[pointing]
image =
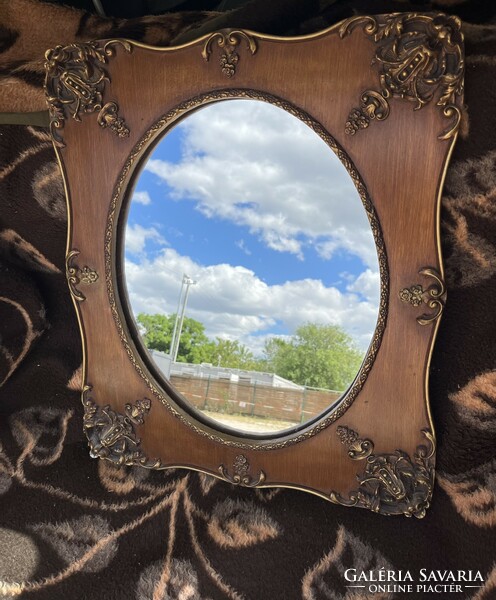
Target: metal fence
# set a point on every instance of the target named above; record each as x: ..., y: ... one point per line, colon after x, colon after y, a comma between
x: 244, y: 398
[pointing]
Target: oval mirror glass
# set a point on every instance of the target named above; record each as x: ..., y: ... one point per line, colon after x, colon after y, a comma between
x: 251, y: 268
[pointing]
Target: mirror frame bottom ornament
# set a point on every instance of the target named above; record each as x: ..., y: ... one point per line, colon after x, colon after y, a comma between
x: 377, y: 449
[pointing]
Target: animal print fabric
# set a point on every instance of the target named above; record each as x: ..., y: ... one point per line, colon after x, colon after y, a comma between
x: 76, y: 528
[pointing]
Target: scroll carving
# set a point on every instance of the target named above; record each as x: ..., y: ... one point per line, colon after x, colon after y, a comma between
x: 433, y: 296
x: 75, y: 276
x: 74, y: 84
x: 109, y: 117
x: 229, y: 41
x: 112, y: 435
x: 241, y: 473
x: 372, y: 106
x: 390, y: 484
x: 420, y: 58
x: 137, y: 411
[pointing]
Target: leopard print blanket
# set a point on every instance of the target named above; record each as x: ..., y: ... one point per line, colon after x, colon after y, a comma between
x: 72, y: 527
x: 23, y: 46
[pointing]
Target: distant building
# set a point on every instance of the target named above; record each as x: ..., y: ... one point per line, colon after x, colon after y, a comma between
x: 163, y: 362
x: 208, y: 371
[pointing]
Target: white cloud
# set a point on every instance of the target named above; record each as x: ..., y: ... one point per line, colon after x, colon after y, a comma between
x: 232, y: 302
x: 142, y: 198
x: 267, y: 171
x: 137, y: 237
x: 368, y: 285
x: 241, y: 244
x: 257, y: 166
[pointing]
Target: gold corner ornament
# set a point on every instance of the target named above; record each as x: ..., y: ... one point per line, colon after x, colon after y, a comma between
x: 418, y: 55
x: 112, y: 436
x: 229, y: 40
x: 75, y: 275
x: 241, y: 473
x: 433, y: 296
x: 391, y: 483
x: 75, y: 80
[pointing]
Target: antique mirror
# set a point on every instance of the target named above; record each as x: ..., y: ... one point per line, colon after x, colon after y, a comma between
x: 253, y: 250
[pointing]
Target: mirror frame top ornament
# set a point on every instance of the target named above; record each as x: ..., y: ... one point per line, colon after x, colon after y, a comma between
x: 385, y: 93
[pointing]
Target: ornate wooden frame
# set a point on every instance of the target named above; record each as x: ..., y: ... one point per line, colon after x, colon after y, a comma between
x: 110, y: 101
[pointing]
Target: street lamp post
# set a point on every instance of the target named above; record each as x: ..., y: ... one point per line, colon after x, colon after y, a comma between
x: 181, y: 309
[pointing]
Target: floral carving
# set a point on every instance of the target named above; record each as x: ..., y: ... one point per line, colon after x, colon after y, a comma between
x: 390, y: 484
x: 109, y: 117
x: 241, y: 473
x: 412, y: 295
x: 87, y: 275
x: 357, y: 448
x: 137, y: 411
x: 75, y: 276
x: 419, y: 58
x: 74, y: 84
x: 433, y: 296
x: 112, y: 435
x: 229, y: 41
x: 372, y: 106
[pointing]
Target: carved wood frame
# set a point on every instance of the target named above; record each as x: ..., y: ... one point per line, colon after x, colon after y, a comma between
x: 110, y: 101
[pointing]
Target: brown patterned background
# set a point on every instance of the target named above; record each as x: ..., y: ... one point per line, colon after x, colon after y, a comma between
x: 75, y: 528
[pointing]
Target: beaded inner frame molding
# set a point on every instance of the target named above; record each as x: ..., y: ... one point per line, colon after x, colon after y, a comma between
x: 385, y: 93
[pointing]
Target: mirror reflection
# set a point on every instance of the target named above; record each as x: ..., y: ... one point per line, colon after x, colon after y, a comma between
x: 251, y: 267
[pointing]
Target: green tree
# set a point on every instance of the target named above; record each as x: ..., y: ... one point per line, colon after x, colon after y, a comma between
x: 232, y: 354
x: 322, y: 356
x: 194, y: 345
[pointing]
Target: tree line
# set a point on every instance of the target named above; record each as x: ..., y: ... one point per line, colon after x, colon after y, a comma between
x: 316, y: 355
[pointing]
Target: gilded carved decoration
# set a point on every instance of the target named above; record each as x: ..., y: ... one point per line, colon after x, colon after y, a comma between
x: 241, y: 473
x: 75, y: 82
x: 76, y: 275
x: 433, y: 296
x: 109, y: 117
x: 229, y: 41
x: 391, y: 483
x: 419, y: 57
x: 137, y: 411
x: 112, y: 435
x: 372, y: 106
x: 414, y: 295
